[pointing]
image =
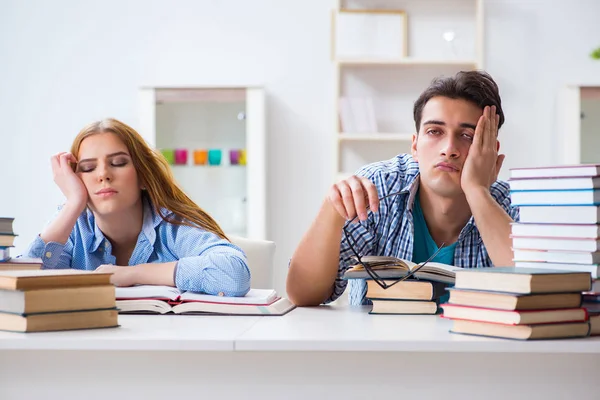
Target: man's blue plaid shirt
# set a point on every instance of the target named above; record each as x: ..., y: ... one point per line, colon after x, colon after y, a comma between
x: 390, y: 231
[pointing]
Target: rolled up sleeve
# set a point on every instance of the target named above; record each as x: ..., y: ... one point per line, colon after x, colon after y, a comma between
x: 209, y: 264
x: 54, y: 255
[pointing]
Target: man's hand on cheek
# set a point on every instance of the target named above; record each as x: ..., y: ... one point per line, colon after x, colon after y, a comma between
x: 483, y: 162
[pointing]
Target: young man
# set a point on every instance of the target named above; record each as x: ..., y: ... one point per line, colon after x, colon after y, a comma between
x: 448, y: 194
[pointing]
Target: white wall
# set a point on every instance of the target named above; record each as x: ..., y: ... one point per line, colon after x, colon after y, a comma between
x: 65, y: 63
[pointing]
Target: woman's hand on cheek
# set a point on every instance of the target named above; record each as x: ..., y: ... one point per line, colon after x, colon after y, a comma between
x: 69, y: 183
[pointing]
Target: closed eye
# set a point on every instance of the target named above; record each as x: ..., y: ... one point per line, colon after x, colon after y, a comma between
x: 468, y: 136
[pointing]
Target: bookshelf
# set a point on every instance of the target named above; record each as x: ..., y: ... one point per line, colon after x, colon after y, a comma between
x: 578, y: 121
x: 216, y: 141
x: 404, y: 45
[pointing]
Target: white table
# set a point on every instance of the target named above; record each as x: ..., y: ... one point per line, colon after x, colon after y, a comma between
x: 323, y: 352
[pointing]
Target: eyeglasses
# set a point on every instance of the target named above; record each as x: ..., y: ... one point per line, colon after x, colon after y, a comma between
x: 367, y: 265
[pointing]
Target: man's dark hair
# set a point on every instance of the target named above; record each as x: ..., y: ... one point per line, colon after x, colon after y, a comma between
x: 478, y: 87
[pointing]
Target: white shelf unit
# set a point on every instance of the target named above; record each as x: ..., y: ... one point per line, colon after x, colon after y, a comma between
x: 393, y: 82
x: 578, y: 121
x: 218, y: 118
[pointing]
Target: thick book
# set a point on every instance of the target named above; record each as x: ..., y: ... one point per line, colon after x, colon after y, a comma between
x: 559, y: 214
x: 60, y: 321
x: 512, y: 301
x: 57, y: 299
x: 406, y: 290
x: 581, y: 197
x: 593, y: 269
x: 165, y: 299
x: 7, y: 240
x: 6, y: 226
x: 589, y: 231
x: 560, y: 244
x: 555, y: 183
x: 515, y: 317
x: 51, y: 278
x: 21, y: 263
x: 557, y: 256
x: 395, y: 307
x: 558, y: 171
x: 393, y: 268
x: 523, y: 280
x: 521, y: 332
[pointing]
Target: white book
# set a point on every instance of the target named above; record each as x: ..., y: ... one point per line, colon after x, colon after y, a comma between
x: 593, y: 269
x: 556, y: 230
x: 164, y: 299
x: 569, y: 257
x: 254, y: 296
x: 579, y: 170
x: 560, y: 214
x: 554, y: 197
x: 555, y: 183
x: 532, y: 243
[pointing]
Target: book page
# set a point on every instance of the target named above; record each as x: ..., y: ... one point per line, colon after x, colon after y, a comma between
x: 147, y: 292
x: 254, y: 296
x: 384, y: 262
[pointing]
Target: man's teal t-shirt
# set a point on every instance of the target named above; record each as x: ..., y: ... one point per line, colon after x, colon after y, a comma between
x: 424, y: 245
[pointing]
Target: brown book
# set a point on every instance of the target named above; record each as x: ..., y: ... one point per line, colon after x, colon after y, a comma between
x: 527, y: 317
x: 59, y: 321
x: 523, y: 332
x: 57, y: 299
x: 406, y: 290
x: 595, y: 325
x: 21, y: 263
x: 7, y: 240
x: 404, y: 307
x: 6, y: 226
x: 512, y: 301
x: 523, y: 280
x: 51, y: 278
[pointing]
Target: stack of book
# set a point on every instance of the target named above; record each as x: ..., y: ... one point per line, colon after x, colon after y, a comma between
x: 420, y: 295
x: 52, y: 300
x: 519, y: 303
x: 560, y: 215
x: 156, y: 299
x: 7, y: 238
x: 406, y: 297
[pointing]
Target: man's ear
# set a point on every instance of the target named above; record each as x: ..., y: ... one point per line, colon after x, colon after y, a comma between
x: 413, y: 146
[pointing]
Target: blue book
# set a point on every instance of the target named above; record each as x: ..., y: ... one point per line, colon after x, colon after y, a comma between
x: 578, y: 197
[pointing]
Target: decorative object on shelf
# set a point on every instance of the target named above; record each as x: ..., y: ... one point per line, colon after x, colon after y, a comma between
x: 200, y: 157
x: 370, y: 33
x: 234, y: 157
x: 242, y: 159
x: 169, y: 154
x: 449, y: 37
x: 595, y: 55
x: 214, y: 156
x: 181, y: 156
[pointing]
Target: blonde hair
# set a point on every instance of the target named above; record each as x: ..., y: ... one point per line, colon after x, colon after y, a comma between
x: 155, y: 175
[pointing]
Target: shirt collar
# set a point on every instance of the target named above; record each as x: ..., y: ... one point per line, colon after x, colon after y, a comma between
x: 151, y: 219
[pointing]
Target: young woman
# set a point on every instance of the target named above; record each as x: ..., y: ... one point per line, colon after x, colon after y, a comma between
x: 125, y: 214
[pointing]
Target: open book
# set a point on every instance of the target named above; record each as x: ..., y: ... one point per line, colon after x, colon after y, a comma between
x: 392, y: 268
x: 166, y: 299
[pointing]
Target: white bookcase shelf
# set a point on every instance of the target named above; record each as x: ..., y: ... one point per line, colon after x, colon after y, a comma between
x: 405, y: 44
x: 403, y: 61
x: 222, y: 119
x: 376, y: 137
